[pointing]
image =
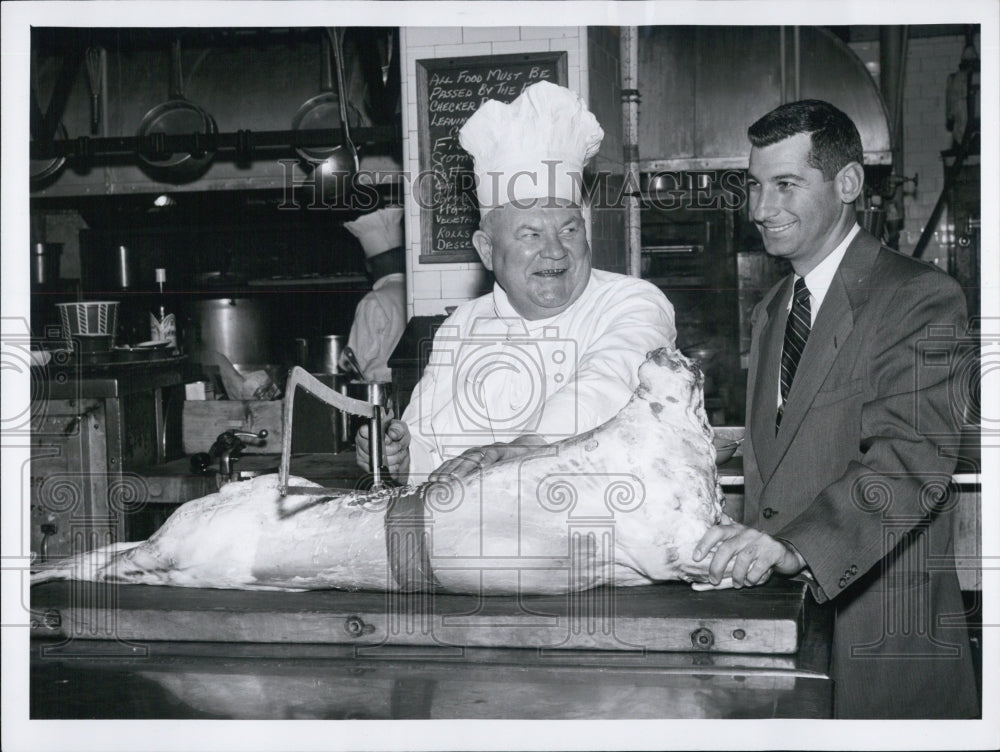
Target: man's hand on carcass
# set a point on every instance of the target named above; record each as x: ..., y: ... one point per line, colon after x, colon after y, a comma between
x: 396, y: 441
x: 473, y: 460
x: 753, y: 555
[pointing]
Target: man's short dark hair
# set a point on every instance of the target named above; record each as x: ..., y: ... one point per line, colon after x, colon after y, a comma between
x: 835, y: 139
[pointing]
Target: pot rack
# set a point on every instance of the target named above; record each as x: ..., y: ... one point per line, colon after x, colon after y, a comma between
x: 244, y: 143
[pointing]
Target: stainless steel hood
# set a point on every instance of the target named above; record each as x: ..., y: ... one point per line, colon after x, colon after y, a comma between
x: 701, y: 86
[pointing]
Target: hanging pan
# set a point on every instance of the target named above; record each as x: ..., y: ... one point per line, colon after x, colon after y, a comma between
x: 43, y: 171
x: 177, y: 117
x: 336, y: 164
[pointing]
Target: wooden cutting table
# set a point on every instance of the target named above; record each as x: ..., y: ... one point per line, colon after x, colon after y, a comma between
x: 661, y: 651
x: 151, y: 652
x: 668, y: 617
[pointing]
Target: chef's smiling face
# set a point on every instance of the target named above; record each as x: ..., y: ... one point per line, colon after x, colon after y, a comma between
x: 802, y: 215
x: 539, y: 255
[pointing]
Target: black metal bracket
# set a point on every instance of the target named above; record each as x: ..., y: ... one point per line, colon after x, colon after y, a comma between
x: 242, y: 142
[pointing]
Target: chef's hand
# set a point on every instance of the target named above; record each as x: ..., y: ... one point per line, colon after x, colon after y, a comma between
x: 396, y: 441
x: 754, y: 555
x: 473, y: 460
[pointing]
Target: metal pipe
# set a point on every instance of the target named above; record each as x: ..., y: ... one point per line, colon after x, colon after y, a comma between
x: 892, y: 69
x: 86, y: 148
x: 798, y: 63
x: 629, y: 67
x: 781, y: 55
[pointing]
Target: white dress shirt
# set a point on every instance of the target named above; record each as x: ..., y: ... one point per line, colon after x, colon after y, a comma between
x: 818, y: 281
x: 493, y: 375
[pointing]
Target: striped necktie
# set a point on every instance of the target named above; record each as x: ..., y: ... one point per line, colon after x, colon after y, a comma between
x: 796, y: 334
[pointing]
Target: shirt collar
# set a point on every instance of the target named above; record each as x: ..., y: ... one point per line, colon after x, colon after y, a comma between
x: 819, y: 279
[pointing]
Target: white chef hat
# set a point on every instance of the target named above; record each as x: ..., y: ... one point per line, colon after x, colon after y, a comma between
x: 533, y: 148
x: 380, y: 231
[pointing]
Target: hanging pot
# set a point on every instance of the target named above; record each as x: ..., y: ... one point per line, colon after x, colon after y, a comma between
x: 42, y: 170
x: 177, y: 117
x: 336, y: 164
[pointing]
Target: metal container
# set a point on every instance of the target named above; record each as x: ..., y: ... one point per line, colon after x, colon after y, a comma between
x: 236, y: 327
x: 45, y: 264
x: 123, y: 268
x: 329, y: 348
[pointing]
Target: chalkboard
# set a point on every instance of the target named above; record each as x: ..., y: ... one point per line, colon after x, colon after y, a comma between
x: 449, y: 91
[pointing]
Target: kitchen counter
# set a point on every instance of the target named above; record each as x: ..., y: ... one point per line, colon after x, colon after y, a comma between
x: 69, y: 379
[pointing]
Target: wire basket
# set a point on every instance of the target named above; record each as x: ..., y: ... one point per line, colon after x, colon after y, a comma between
x: 88, y: 319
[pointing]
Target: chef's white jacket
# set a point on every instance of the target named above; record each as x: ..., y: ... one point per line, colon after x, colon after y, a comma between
x: 379, y: 320
x: 493, y: 375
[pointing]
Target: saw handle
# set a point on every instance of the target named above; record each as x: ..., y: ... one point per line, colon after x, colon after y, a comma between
x: 376, y: 444
x: 381, y: 478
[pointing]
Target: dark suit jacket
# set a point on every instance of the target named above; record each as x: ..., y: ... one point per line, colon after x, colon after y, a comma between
x: 855, y: 480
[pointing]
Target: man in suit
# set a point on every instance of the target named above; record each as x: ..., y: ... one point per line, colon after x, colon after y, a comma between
x: 845, y: 416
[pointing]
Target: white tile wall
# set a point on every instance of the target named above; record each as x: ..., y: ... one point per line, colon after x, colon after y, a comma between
x: 551, y: 32
x: 426, y: 285
x: 471, y: 34
x: 457, y: 50
x: 572, y: 48
x: 512, y: 48
x: 430, y: 35
x: 464, y: 283
x: 435, y: 307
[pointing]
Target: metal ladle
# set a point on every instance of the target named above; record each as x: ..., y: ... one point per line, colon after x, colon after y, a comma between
x: 343, y: 163
x: 333, y: 166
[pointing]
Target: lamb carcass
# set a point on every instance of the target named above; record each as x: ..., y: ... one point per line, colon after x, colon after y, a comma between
x: 623, y: 504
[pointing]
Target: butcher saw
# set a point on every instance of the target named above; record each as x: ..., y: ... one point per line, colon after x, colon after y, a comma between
x: 299, y: 378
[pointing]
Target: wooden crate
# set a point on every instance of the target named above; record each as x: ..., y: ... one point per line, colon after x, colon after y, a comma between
x: 203, y: 421
x: 313, y: 429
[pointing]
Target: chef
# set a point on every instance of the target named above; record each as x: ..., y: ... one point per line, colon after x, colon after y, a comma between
x: 380, y: 316
x: 554, y: 349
